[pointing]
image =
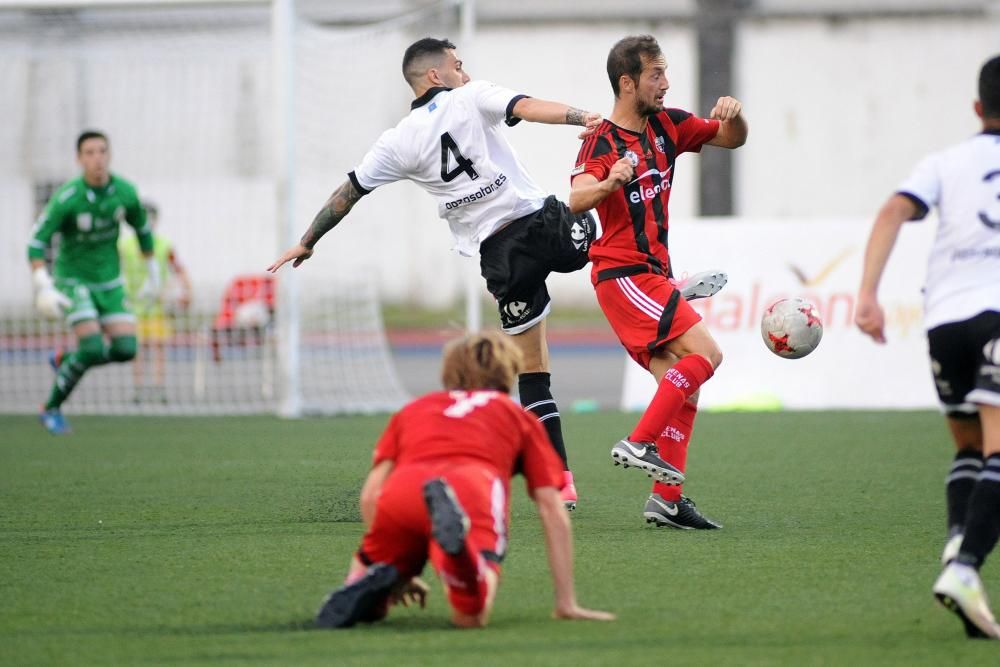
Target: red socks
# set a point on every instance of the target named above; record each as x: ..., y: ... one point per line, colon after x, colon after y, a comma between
x: 464, y: 577
x: 677, y: 385
x: 673, y: 448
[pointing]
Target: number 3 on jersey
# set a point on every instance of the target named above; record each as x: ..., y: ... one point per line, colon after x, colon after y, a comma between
x: 463, y: 164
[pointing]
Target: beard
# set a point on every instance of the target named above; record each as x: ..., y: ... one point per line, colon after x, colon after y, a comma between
x: 648, y: 108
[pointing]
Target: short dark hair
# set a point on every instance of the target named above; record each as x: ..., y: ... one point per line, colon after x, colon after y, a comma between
x: 626, y: 58
x: 89, y: 134
x: 428, y: 46
x: 151, y: 208
x: 989, y: 87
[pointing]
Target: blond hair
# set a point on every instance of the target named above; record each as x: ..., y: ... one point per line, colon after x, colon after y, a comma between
x: 484, y: 360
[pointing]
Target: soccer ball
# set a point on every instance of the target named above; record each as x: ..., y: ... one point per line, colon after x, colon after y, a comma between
x: 791, y: 328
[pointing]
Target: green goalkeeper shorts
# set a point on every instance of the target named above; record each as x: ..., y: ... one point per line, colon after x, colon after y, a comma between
x: 106, y: 302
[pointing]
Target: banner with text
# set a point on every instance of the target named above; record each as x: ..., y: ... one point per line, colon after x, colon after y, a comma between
x: 819, y: 261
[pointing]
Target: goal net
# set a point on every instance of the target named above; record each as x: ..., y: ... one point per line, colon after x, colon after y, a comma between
x: 190, y: 98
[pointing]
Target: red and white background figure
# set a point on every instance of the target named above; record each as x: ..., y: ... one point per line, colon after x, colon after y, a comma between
x: 819, y: 261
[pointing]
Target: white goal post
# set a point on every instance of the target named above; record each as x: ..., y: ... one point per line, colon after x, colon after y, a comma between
x: 234, y: 118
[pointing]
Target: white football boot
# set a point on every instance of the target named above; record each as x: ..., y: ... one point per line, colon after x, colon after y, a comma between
x: 960, y: 590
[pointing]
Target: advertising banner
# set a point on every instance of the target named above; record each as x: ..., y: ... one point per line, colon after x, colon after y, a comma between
x: 819, y: 261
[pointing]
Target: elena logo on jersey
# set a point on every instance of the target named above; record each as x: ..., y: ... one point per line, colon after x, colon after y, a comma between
x: 479, y: 194
x: 642, y: 193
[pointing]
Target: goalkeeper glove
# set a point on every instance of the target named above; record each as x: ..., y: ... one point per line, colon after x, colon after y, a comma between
x: 49, y: 301
x: 150, y: 290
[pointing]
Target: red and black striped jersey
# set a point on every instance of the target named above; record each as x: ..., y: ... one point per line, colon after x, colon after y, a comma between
x: 634, y: 218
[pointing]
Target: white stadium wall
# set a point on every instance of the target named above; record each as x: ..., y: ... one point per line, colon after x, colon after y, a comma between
x: 838, y: 115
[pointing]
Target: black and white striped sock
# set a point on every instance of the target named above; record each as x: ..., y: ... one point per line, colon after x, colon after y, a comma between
x: 536, y: 397
x: 961, y: 480
x: 982, y: 524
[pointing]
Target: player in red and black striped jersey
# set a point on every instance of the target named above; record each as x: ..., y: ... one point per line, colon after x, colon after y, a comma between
x: 625, y: 171
x: 635, y: 241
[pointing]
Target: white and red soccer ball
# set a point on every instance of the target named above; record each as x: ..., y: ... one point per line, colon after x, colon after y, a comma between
x: 791, y: 328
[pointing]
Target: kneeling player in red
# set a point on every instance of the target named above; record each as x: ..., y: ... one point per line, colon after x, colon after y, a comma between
x: 439, y: 489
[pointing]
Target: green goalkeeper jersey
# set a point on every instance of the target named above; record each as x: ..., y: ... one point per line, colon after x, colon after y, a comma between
x: 88, y: 219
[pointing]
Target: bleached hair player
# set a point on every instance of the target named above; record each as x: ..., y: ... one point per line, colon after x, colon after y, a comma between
x: 439, y: 491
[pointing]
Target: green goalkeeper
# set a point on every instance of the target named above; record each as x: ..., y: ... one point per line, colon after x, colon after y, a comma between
x: 88, y: 290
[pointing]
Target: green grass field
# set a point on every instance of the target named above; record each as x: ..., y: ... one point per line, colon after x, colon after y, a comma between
x: 212, y: 541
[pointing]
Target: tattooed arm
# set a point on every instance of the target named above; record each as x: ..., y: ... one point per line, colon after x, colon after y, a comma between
x: 334, y: 210
x: 542, y: 111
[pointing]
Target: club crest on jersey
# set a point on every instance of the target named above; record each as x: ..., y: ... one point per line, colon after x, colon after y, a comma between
x: 659, y: 143
x: 632, y: 158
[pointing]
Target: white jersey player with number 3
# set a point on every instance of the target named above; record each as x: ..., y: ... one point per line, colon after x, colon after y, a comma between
x: 452, y: 145
x: 962, y: 318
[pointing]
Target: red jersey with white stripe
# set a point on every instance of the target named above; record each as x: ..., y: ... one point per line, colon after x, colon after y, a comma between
x: 460, y: 427
x: 634, y: 218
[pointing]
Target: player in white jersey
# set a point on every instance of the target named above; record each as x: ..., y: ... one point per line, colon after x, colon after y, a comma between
x: 962, y: 318
x: 451, y: 145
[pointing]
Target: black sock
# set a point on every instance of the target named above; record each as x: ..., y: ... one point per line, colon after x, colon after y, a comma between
x: 961, y: 480
x: 537, y: 397
x: 982, y: 525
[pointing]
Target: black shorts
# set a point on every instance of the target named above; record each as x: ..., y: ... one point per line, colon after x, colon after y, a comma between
x: 965, y: 360
x: 516, y: 260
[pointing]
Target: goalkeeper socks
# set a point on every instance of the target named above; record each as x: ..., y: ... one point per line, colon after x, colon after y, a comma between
x: 673, y: 447
x: 536, y: 397
x: 982, y: 524
x: 959, y: 484
x: 123, y: 348
x: 677, y: 385
x: 90, y: 352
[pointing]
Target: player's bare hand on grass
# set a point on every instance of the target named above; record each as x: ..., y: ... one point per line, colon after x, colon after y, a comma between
x: 870, y: 318
x: 726, y: 108
x: 415, y: 590
x: 591, y: 121
x: 578, y: 613
x: 298, y: 253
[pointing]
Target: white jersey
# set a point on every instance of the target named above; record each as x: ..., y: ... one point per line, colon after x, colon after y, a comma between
x: 963, y: 271
x: 451, y: 145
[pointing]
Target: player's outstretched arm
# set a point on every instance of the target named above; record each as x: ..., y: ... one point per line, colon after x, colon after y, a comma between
x: 556, y: 113
x: 559, y: 545
x: 733, y: 128
x: 334, y: 210
x: 868, y: 313
x: 587, y: 192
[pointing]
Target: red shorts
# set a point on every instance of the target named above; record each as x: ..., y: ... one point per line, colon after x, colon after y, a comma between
x: 401, y: 532
x: 645, y: 311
